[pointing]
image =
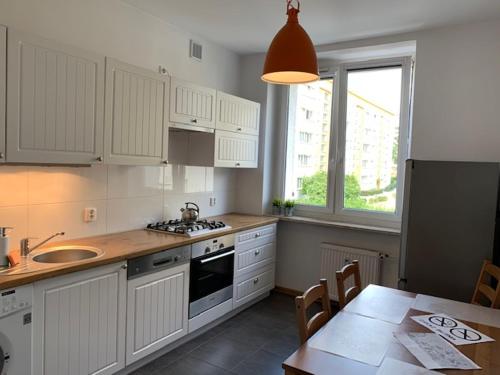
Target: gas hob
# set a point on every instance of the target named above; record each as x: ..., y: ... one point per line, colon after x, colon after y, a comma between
x: 181, y: 228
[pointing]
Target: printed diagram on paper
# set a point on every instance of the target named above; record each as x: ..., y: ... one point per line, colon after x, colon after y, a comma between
x: 434, y: 352
x: 451, y: 329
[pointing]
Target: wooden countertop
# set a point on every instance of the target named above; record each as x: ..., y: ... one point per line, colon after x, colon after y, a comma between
x: 131, y: 244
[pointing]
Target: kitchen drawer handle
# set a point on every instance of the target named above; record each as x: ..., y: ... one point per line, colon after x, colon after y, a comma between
x: 257, y: 252
x: 124, y: 267
x: 257, y: 235
x: 240, y: 129
x: 256, y: 280
x: 194, y: 121
x: 237, y: 164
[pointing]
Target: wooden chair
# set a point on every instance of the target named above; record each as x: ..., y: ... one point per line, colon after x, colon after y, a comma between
x: 302, y: 303
x: 484, y: 291
x: 351, y: 269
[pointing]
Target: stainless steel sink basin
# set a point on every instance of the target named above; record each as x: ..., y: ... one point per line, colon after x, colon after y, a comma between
x: 66, y: 254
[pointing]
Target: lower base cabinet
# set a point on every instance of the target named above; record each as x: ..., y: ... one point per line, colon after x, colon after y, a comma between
x: 157, y: 311
x: 253, y: 284
x: 79, y: 322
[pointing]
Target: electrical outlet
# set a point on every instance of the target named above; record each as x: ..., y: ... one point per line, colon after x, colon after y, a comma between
x: 90, y: 214
x: 212, y: 201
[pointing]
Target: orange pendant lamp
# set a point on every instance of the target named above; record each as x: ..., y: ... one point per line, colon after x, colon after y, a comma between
x: 291, y: 57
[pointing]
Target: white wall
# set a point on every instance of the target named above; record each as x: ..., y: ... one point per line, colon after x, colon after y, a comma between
x: 456, y: 99
x: 40, y: 200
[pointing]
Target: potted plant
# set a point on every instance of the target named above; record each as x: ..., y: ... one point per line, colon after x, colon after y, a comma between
x: 289, y: 206
x: 277, y: 206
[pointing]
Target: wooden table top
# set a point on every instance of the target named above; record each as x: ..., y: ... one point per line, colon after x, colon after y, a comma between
x: 308, y: 360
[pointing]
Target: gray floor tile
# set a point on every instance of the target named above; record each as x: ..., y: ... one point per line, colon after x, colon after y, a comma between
x: 260, y: 363
x: 191, y: 366
x: 224, y: 352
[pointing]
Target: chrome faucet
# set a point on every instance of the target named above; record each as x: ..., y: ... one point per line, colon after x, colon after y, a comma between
x: 25, y: 244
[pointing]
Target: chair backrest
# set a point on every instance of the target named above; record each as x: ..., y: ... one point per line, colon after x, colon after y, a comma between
x: 484, y: 291
x: 345, y: 296
x: 307, y: 328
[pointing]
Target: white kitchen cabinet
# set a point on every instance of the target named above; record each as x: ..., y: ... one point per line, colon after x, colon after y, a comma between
x: 237, y: 114
x: 79, y: 322
x: 3, y: 78
x: 251, y: 285
x: 234, y: 150
x: 136, y: 115
x: 55, y: 99
x: 191, y: 106
x: 157, y: 311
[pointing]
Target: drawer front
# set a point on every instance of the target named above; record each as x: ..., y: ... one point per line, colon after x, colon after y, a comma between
x: 255, y: 237
x: 251, y: 259
x: 251, y: 285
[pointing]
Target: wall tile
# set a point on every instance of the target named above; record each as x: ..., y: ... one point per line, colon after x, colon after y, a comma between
x: 66, y: 184
x: 16, y: 217
x: 133, y: 213
x: 140, y: 181
x: 46, y: 219
x: 13, y: 186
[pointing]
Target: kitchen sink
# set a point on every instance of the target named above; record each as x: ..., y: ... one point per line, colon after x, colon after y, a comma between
x: 66, y: 254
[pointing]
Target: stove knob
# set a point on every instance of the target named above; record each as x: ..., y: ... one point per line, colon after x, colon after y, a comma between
x: 176, y: 258
x: 207, y: 249
x: 221, y: 246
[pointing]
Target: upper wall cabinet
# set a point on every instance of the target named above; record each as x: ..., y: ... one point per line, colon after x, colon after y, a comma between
x: 191, y: 106
x: 3, y: 77
x: 136, y: 115
x: 55, y: 97
x: 233, y: 150
x: 237, y: 114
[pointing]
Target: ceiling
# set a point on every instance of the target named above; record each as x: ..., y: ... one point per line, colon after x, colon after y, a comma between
x: 248, y: 26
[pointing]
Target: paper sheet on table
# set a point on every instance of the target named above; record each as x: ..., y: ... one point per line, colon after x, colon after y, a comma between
x: 392, y: 366
x: 392, y: 308
x: 459, y: 310
x: 434, y: 352
x: 452, y: 329
x: 355, y: 337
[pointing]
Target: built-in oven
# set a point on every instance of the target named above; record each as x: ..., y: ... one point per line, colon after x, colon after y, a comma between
x: 211, y: 274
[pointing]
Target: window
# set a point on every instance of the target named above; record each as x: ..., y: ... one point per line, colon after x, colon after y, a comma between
x: 368, y: 134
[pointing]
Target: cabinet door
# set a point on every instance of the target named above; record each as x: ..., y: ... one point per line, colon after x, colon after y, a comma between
x: 237, y: 114
x: 251, y: 285
x: 136, y: 122
x: 55, y: 99
x: 3, y: 77
x: 157, y: 311
x: 79, y: 322
x: 191, y: 105
x: 235, y: 150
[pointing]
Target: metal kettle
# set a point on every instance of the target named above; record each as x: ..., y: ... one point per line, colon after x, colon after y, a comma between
x: 190, y: 214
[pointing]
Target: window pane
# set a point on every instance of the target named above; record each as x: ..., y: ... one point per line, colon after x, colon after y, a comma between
x: 308, y: 147
x: 372, y: 130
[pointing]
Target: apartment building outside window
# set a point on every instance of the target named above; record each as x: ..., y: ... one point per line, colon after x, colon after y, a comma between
x: 355, y: 156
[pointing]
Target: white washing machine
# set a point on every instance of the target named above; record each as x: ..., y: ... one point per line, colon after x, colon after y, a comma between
x: 15, y: 330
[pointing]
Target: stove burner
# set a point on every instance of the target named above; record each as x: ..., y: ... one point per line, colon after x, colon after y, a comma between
x: 180, y: 227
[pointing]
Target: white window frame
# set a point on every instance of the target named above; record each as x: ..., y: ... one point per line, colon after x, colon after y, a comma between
x: 334, y: 209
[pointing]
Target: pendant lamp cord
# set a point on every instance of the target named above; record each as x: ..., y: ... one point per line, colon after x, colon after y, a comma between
x: 290, y: 6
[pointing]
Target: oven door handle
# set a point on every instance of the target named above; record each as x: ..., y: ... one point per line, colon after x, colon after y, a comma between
x: 217, y: 257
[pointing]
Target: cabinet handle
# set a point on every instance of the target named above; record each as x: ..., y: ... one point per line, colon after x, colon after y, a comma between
x: 164, y: 162
x: 124, y: 266
x: 257, y: 235
x: 99, y: 158
x: 2, y: 155
x: 256, y: 280
x: 194, y: 121
x: 237, y: 164
x: 239, y: 129
x: 257, y: 252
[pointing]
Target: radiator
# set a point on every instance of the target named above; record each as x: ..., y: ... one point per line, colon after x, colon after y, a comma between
x: 334, y: 257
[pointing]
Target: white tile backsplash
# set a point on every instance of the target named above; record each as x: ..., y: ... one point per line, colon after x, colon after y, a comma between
x: 38, y: 201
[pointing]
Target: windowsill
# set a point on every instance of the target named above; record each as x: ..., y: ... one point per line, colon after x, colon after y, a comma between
x: 339, y: 224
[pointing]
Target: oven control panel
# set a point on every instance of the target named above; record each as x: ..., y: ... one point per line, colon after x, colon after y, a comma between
x: 212, y: 245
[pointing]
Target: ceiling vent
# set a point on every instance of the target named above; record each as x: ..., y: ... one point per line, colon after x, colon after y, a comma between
x: 195, y: 50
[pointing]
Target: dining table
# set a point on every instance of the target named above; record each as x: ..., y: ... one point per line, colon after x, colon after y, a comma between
x: 360, y: 323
